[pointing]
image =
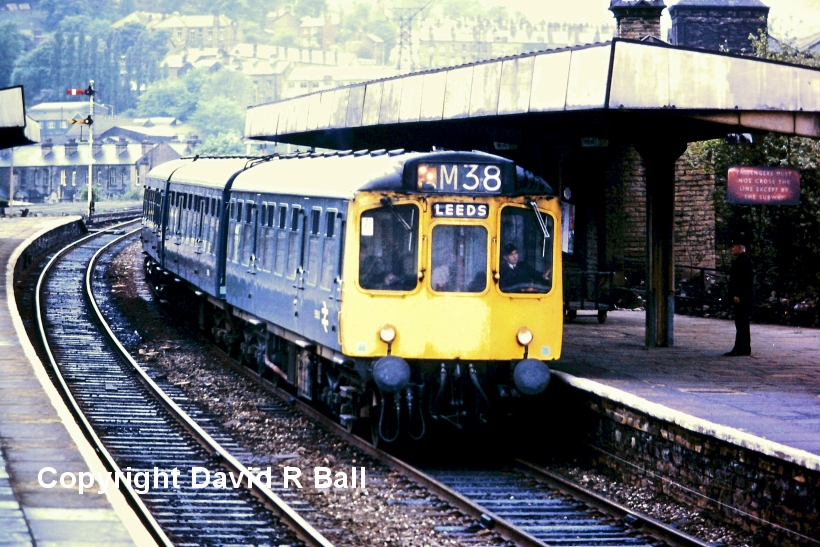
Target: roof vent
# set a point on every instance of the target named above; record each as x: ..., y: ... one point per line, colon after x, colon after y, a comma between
x: 396, y: 152
x: 379, y: 152
x: 344, y: 153
x: 331, y: 153
x: 304, y: 155
x: 361, y: 152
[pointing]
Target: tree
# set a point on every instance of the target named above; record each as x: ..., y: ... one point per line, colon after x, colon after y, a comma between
x: 310, y: 8
x: 229, y: 84
x: 218, y: 115
x: 783, y: 238
x: 220, y: 144
x: 167, y: 98
x: 11, y: 46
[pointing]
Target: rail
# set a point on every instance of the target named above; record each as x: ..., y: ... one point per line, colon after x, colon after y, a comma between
x: 295, y: 522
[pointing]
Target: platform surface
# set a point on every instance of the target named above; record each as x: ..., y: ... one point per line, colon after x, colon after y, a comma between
x: 35, y: 433
x: 773, y: 395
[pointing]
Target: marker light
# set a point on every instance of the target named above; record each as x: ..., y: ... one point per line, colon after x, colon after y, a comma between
x: 387, y: 334
x: 524, y: 336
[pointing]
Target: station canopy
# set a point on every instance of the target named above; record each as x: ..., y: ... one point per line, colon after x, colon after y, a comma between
x: 622, y: 89
x: 16, y: 129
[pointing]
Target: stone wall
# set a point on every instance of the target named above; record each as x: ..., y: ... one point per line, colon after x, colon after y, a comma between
x: 639, y: 27
x: 716, y: 27
x: 694, y: 210
x: 762, y: 493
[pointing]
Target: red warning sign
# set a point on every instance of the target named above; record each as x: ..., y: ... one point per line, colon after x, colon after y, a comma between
x: 763, y: 186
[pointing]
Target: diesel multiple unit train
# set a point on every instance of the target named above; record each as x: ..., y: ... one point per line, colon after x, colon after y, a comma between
x: 394, y: 290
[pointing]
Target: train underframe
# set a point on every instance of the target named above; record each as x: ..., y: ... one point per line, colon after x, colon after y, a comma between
x: 439, y: 397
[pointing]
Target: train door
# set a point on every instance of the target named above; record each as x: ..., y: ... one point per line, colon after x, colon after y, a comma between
x: 318, y: 313
x: 331, y: 276
x: 296, y: 262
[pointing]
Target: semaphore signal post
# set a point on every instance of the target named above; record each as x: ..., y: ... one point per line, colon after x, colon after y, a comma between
x: 89, y: 121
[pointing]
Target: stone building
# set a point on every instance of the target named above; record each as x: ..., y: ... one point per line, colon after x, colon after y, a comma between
x: 189, y: 31
x: 51, y: 173
x: 717, y: 24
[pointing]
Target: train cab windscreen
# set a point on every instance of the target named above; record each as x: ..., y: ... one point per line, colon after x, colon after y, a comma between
x: 459, y: 258
x: 388, y: 248
x: 527, y: 238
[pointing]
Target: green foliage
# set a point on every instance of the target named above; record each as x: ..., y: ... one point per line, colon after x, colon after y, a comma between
x: 216, y: 115
x: 286, y: 38
x: 167, y: 98
x: 309, y: 8
x: 96, y: 192
x: 221, y: 144
x: 135, y: 194
x: 364, y: 19
x: 783, y: 239
x: 229, y: 84
x: 120, y: 61
x: 11, y: 46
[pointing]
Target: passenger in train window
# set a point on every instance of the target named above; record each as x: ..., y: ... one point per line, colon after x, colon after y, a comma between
x: 516, y: 276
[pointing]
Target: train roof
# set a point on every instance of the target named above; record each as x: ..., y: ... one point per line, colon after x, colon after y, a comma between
x: 161, y: 172
x: 339, y: 175
x: 335, y: 176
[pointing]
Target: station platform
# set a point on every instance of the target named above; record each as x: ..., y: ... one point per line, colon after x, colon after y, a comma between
x: 769, y: 402
x: 37, y: 431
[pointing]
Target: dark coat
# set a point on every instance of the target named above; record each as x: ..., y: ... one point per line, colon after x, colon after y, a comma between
x: 522, y: 273
x: 741, y: 280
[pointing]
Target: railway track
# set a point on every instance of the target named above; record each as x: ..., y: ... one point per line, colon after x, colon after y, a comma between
x: 136, y: 428
x: 522, y: 503
x: 517, y: 502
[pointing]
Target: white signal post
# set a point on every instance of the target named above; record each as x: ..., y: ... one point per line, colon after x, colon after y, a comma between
x: 90, y: 149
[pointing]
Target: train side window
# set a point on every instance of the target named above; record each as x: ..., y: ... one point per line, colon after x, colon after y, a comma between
x: 388, y: 248
x: 294, y: 245
x: 281, y: 241
x: 283, y: 216
x: 525, y: 264
x: 314, y: 247
x: 271, y: 211
x: 459, y: 258
x: 330, y: 223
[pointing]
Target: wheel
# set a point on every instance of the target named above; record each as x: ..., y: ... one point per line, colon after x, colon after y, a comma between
x: 602, y: 316
x: 571, y: 315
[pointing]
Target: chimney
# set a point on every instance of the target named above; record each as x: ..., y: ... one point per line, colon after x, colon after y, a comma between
x: 637, y: 19
x: 122, y: 146
x: 96, y: 149
x: 146, y: 147
x: 70, y: 147
x: 47, y: 147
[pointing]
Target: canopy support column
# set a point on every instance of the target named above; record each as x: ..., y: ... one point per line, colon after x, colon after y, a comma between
x: 660, y: 158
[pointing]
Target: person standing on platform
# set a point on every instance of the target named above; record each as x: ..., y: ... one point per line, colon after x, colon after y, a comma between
x: 741, y: 293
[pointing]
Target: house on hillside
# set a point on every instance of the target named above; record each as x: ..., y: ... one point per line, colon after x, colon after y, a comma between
x: 54, y: 118
x: 190, y: 31
x: 51, y: 173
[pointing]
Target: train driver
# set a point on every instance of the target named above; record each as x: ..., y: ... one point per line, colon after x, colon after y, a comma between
x: 516, y: 276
